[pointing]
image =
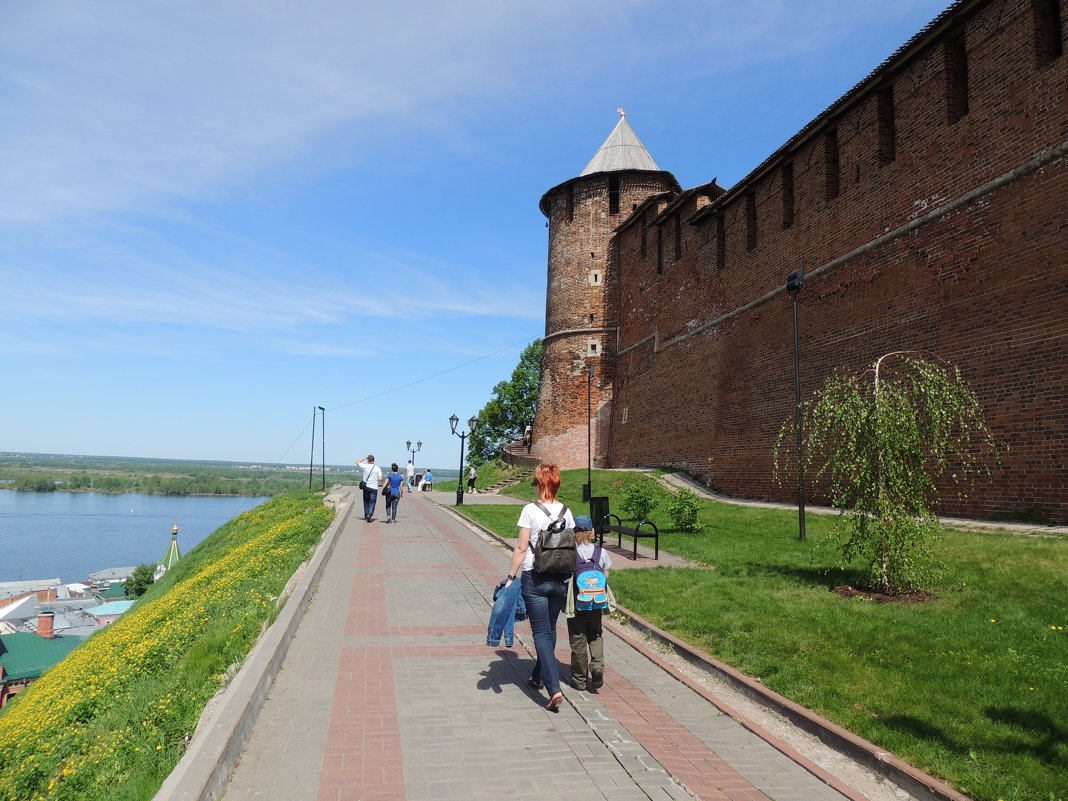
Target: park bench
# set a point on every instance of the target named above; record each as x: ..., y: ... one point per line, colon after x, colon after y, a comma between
x: 637, y: 532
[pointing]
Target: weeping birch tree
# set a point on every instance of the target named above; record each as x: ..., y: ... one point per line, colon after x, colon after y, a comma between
x: 882, y: 441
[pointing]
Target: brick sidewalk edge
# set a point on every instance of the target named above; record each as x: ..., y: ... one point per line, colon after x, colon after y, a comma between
x: 203, y: 772
x: 881, y: 762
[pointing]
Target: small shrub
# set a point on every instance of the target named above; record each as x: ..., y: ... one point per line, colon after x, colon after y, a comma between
x: 639, y: 499
x: 683, y: 509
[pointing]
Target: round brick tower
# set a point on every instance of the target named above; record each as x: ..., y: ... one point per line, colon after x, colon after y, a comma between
x: 581, y: 302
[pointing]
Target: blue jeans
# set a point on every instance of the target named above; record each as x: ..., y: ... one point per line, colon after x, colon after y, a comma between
x: 545, y: 596
x: 370, y: 497
x: 391, y: 505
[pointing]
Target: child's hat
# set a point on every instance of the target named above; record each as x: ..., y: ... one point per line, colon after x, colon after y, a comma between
x: 583, y: 522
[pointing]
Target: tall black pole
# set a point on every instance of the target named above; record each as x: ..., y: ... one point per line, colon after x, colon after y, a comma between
x: 587, y: 491
x: 311, y: 459
x: 460, y: 474
x: 323, y: 410
x: 794, y: 282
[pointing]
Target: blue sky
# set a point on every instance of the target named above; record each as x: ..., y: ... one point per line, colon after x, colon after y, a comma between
x: 217, y: 215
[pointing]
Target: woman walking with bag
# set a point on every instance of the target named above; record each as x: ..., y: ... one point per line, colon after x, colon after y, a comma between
x: 394, y: 483
x: 545, y: 593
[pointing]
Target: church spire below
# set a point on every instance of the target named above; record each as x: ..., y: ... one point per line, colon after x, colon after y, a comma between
x: 622, y: 150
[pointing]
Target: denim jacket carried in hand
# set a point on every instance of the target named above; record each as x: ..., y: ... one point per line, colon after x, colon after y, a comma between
x: 508, y: 607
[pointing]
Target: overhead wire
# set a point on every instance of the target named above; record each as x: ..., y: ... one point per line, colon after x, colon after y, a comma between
x: 422, y: 380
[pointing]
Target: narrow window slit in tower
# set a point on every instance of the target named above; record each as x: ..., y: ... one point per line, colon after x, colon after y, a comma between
x: 884, y: 112
x: 787, y: 194
x: 955, y: 61
x: 613, y: 194
x: 721, y: 241
x: 1049, y: 35
x: 751, y: 221
x: 830, y: 164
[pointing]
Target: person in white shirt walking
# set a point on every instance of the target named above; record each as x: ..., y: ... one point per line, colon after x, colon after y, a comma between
x: 372, y: 474
x: 409, y: 476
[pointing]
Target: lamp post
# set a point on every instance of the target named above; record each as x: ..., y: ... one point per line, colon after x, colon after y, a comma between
x: 322, y: 410
x: 462, y: 435
x: 587, y: 488
x: 794, y: 282
x: 411, y: 450
x: 311, y: 459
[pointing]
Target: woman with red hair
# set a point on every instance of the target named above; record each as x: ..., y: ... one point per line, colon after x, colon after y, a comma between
x: 545, y: 594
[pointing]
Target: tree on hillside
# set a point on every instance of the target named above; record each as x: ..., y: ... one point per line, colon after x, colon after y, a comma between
x: 143, y: 577
x: 510, y: 409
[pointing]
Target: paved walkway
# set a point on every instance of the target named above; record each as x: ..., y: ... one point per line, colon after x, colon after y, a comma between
x: 388, y: 692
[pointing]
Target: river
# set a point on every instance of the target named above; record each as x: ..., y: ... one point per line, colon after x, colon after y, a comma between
x: 69, y: 535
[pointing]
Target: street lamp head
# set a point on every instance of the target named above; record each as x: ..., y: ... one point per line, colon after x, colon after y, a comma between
x: 408, y: 445
x: 419, y: 445
x: 322, y: 408
x: 453, y: 421
x: 472, y: 423
x: 795, y: 280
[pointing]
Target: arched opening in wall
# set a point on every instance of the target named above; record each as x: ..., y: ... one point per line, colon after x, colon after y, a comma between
x: 592, y: 348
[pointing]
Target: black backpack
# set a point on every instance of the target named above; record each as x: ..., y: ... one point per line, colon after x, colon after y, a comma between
x: 555, y: 551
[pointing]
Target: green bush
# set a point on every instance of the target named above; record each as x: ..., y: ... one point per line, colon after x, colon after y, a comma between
x: 639, y: 499
x: 683, y: 509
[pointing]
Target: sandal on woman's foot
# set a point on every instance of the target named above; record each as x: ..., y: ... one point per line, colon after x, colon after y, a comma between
x: 534, y: 685
x: 555, y: 702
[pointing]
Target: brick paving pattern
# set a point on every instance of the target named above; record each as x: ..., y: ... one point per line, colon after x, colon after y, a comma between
x: 389, y: 693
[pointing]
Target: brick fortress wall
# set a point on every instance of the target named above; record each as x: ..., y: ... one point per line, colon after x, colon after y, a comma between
x: 970, y: 120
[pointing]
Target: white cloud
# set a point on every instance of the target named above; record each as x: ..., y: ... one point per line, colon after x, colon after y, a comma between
x: 115, y: 104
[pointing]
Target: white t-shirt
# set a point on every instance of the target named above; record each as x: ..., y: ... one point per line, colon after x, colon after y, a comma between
x: 372, y: 474
x: 534, y: 518
x: 410, y: 471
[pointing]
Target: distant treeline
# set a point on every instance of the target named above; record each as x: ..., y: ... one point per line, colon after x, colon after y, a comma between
x: 48, y: 473
x: 200, y: 484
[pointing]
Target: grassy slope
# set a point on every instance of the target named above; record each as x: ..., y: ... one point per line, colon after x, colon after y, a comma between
x: 111, y: 720
x: 972, y: 686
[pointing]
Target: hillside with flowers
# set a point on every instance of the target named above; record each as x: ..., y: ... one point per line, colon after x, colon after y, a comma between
x: 112, y: 719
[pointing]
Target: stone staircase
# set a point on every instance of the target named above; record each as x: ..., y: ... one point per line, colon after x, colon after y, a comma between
x: 505, y: 483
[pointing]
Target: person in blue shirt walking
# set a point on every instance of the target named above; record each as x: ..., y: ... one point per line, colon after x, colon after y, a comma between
x: 396, y: 482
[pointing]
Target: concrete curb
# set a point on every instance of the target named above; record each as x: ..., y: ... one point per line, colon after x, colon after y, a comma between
x: 881, y: 762
x: 204, y: 770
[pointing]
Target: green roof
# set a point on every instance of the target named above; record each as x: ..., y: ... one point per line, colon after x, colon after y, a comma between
x: 116, y: 592
x: 26, y: 656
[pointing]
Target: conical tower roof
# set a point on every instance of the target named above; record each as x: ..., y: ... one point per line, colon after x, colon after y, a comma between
x: 622, y: 150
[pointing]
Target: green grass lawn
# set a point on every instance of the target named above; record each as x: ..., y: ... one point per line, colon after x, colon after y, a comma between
x: 971, y: 686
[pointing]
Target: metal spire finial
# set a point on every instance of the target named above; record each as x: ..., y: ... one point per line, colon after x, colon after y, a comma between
x: 622, y: 113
